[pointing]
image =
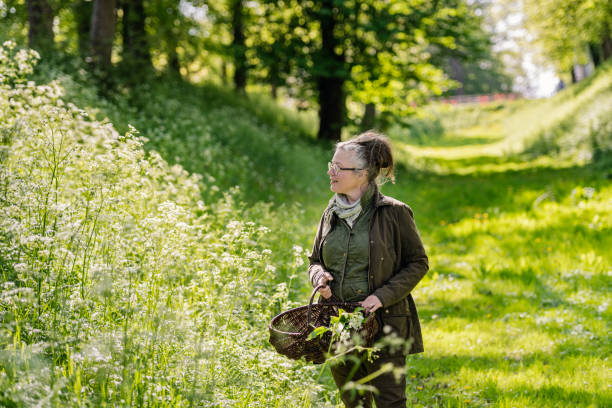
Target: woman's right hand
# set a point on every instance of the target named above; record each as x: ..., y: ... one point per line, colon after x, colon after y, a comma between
x: 324, y: 280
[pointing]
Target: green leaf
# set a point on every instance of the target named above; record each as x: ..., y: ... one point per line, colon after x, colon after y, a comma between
x: 318, y: 332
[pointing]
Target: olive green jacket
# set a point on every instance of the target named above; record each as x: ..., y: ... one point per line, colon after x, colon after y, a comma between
x: 397, y: 262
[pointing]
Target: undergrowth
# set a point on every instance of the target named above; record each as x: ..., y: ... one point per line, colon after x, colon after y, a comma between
x: 120, y: 285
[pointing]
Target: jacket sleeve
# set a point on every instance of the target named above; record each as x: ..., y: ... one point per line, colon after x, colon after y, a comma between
x: 315, y: 268
x: 414, y: 261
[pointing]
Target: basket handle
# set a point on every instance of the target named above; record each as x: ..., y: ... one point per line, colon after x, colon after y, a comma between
x: 314, y: 292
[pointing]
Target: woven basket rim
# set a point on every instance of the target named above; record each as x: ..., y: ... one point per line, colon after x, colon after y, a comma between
x: 278, y: 316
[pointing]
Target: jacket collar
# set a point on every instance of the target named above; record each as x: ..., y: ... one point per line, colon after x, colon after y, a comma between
x: 380, y: 199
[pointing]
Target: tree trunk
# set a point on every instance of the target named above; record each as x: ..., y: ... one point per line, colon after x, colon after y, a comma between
x: 81, y: 11
x: 573, y: 72
x: 135, y: 44
x: 331, y: 77
x: 331, y: 108
x: 102, y: 32
x: 224, y: 75
x: 239, y: 47
x: 40, y: 21
x: 369, y: 117
x: 174, y: 65
x: 274, y: 80
x: 458, y: 74
x: 606, y: 46
x: 595, y: 52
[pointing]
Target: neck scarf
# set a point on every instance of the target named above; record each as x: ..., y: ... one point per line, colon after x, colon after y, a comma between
x: 350, y: 211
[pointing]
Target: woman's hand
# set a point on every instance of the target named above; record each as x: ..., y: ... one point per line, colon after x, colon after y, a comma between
x: 371, y: 304
x: 323, y: 280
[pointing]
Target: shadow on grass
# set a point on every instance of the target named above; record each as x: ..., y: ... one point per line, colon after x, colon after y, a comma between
x: 496, y: 307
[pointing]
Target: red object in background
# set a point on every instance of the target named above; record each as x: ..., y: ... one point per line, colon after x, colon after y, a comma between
x: 481, y: 99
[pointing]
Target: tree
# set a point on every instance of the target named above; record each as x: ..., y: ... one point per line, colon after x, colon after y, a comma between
x: 391, y: 66
x: 82, y: 11
x: 135, y: 43
x: 238, y: 45
x: 280, y: 49
x: 569, y: 31
x: 606, y: 44
x: 175, y: 32
x: 40, y: 27
x: 102, y: 32
x: 469, y: 58
x: 386, y: 64
x: 231, y: 24
x: 357, y: 50
x: 330, y: 72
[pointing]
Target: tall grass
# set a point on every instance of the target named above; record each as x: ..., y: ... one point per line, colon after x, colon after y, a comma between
x: 120, y: 286
x: 230, y: 139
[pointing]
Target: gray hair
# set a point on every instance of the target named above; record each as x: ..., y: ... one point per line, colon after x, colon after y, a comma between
x: 360, y: 151
x: 373, y: 152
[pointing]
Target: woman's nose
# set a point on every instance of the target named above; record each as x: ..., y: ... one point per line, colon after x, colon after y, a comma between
x: 330, y: 172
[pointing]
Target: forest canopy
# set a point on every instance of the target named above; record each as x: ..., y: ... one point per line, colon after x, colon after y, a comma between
x: 381, y: 59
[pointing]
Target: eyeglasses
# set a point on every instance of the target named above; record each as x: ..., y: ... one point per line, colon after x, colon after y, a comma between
x: 336, y: 169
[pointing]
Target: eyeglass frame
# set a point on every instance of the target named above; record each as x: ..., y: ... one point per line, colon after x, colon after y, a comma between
x: 336, y: 168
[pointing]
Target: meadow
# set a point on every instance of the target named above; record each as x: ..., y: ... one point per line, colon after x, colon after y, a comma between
x: 136, y: 273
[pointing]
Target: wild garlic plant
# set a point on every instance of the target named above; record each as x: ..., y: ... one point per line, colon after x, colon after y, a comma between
x: 345, y: 342
x: 343, y: 333
x: 119, y: 285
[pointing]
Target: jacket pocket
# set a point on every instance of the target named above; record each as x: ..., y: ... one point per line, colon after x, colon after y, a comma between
x: 396, y: 323
x: 399, y: 309
x: 397, y: 317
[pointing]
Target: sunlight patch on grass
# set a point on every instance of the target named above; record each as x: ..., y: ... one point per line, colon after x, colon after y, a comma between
x: 560, y: 126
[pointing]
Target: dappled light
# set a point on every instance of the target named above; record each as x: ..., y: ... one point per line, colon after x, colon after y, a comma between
x: 164, y: 168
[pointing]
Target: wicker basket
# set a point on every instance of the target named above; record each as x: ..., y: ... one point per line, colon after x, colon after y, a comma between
x: 289, y: 330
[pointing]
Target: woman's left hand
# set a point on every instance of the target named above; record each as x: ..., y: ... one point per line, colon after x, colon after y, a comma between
x: 371, y: 304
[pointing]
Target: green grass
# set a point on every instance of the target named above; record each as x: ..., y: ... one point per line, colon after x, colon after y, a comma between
x: 571, y: 127
x: 516, y: 306
x: 130, y: 281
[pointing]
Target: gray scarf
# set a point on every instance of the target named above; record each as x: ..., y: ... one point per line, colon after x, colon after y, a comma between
x: 349, y: 212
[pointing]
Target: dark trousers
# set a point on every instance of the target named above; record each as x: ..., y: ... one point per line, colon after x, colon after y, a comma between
x: 390, y: 391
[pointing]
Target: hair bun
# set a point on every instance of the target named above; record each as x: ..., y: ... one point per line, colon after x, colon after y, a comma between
x: 375, y: 150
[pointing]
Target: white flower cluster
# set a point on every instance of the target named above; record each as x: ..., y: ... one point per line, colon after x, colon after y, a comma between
x: 16, y: 64
x: 119, y: 284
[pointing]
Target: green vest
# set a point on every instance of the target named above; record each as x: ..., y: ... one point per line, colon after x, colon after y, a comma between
x: 346, y: 254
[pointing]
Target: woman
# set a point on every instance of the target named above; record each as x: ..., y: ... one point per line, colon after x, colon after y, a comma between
x: 367, y: 249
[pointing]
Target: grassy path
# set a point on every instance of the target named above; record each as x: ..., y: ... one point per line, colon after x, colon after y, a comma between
x: 515, y: 309
x: 516, y: 306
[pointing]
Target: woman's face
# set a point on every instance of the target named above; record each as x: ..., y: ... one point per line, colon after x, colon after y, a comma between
x: 347, y: 182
